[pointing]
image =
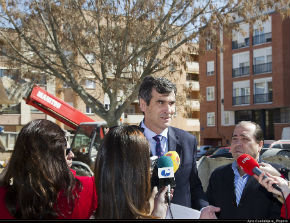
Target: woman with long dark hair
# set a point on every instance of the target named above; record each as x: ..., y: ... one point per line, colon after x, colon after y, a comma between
x: 38, y: 184
x: 122, y: 175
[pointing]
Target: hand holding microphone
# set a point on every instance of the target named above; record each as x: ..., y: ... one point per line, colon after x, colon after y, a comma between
x: 251, y: 167
x: 268, y: 182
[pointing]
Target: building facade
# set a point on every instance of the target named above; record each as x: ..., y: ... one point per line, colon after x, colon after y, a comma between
x: 246, y: 78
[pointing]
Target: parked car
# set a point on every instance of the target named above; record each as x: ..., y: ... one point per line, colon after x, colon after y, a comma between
x: 267, y: 143
x: 276, y: 152
x: 263, y: 150
x: 201, y: 150
x: 222, y: 152
x: 211, y: 150
x: 281, y: 144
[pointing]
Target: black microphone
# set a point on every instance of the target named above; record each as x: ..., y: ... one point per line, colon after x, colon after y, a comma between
x: 251, y: 166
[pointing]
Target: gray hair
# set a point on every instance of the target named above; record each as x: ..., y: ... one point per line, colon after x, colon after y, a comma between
x: 258, y: 131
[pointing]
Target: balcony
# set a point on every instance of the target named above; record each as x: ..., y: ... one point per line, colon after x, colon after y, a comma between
x: 241, y: 100
x: 193, y: 104
x: 241, y: 71
x: 236, y: 45
x: 262, y: 68
x: 193, y: 122
x: 192, y: 67
x: 263, y: 98
x: 133, y: 118
x: 11, y: 109
x: 262, y: 38
x: 192, y: 85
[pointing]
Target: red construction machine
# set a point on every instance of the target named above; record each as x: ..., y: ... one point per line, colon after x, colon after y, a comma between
x: 88, y: 133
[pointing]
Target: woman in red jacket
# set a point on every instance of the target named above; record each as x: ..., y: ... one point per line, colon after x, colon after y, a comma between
x: 284, y: 186
x: 38, y: 184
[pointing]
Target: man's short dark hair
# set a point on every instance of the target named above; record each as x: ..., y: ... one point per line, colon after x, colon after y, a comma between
x: 160, y: 84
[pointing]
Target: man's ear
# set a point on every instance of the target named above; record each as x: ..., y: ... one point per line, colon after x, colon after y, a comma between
x: 261, y: 143
x: 142, y: 104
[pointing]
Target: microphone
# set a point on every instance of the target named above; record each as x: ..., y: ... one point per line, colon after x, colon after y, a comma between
x: 251, y: 167
x: 166, y: 174
x: 170, y: 159
x: 173, y: 155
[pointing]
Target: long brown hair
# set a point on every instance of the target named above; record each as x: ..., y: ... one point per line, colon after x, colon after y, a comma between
x: 122, y: 174
x: 37, y: 172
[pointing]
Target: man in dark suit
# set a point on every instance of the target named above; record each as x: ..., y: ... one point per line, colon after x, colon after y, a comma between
x: 239, y: 195
x: 157, y: 102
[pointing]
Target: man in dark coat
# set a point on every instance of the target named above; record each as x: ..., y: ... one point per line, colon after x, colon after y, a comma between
x: 157, y: 102
x: 239, y: 195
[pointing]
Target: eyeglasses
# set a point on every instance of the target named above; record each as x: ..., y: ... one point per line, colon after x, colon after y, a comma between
x: 67, y: 151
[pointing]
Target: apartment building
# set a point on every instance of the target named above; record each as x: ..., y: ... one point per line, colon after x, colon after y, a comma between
x: 246, y: 78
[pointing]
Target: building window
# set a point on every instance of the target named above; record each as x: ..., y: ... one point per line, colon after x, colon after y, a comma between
x: 106, y: 102
x: 210, y: 119
x: 262, y: 60
x: 12, y: 109
x: 263, y: 90
x: 90, y: 58
x: 244, y: 115
x: 228, y: 118
x: 241, y: 92
x: 89, y: 110
x: 3, y: 72
x: 241, y: 62
x: 241, y: 38
x: 209, y: 44
x: 210, y: 68
x: 262, y: 32
x: 172, y: 67
x: 90, y: 84
x: 192, y: 77
x: 210, y: 93
x: 285, y: 115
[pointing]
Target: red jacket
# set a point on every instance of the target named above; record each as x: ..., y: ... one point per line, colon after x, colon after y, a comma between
x: 84, y: 206
x: 283, y: 209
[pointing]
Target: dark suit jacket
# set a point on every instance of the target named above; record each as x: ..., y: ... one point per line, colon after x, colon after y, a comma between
x: 188, y: 191
x: 256, y: 202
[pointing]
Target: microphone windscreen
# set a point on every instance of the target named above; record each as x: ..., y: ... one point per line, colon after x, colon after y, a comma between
x: 173, y: 155
x: 247, y: 163
x: 164, y: 161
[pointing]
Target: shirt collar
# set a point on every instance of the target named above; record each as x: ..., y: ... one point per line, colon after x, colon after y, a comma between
x: 236, y: 171
x: 149, y: 133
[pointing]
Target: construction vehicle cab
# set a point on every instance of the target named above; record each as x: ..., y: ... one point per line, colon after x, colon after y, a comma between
x: 85, y: 144
x: 88, y: 133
